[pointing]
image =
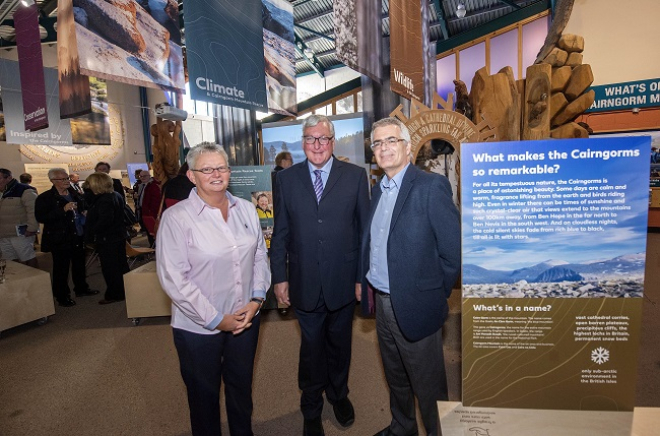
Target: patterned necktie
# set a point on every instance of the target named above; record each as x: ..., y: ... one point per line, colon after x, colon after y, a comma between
x: 318, y: 185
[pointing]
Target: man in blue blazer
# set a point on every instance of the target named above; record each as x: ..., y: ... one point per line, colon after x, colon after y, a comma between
x: 410, y: 259
x: 321, y: 206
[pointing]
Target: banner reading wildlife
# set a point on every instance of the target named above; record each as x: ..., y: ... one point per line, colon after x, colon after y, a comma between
x: 225, y: 52
x: 280, y: 57
x: 133, y: 42
x: 74, y: 94
x: 554, y: 248
x: 406, y: 49
x: 358, y: 35
x: 30, y: 63
x: 58, y: 131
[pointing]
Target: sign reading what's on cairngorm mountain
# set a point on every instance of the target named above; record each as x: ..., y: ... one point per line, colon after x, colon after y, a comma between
x: 554, y: 241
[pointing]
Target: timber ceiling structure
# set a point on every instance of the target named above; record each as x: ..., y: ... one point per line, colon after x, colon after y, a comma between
x: 314, y: 26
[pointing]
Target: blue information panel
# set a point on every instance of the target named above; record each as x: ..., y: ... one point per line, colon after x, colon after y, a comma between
x: 554, y: 242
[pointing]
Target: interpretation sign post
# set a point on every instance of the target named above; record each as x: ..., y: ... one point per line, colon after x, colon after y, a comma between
x: 554, y: 241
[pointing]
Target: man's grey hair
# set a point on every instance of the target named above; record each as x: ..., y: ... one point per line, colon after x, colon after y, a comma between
x: 391, y: 121
x: 53, y: 171
x: 202, y: 148
x: 314, y: 120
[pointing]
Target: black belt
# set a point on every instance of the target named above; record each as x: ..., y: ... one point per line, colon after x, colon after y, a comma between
x: 381, y: 293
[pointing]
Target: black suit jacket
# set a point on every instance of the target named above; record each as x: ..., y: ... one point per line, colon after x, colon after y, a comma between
x: 320, y: 241
x: 59, y: 226
x: 423, y: 252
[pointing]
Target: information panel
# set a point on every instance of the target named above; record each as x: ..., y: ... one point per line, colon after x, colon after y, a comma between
x: 554, y: 240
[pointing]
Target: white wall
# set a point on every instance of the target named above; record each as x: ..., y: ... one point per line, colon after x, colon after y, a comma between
x: 620, y: 38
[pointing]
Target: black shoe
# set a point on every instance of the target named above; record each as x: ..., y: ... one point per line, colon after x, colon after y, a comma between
x: 108, y: 301
x: 344, y: 412
x: 66, y: 303
x: 86, y: 293
x: 385, y: 432
x: 313, y: 427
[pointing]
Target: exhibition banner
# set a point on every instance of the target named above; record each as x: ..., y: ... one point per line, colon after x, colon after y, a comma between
x: 280, y: 57
x: 30, y: 63
x: 129, y: 41
x: 406, y: 49
x: 287, y: 136
x: 93, y: 128
x: 58, y: 131
x: 358, y: 35
x: 74, y: 94
x: 225, y: 52
x: 627, y: 95
x: 554, y: 249
x: 253, y: 183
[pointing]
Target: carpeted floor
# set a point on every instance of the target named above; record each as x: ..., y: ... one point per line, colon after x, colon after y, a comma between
x: 89, y: 371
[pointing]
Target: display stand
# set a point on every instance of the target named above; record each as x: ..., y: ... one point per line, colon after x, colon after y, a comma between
x: 25, y: 295
x: 456, y: 420
x: 144, y: 295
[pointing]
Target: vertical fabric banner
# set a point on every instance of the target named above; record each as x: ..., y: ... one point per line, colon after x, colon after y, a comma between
x: 75, y: 99
x: 30, y: 63
x: 554, y: 250
x: 406, y: 49
x: 225, y: 52
x: 280, y: 57
x: 358, y: 35
x: 58, y: 131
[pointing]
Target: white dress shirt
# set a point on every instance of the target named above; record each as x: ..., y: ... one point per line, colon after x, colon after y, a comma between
x: 209, y: 267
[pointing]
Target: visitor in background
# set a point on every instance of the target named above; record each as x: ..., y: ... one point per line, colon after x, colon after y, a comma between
x: 18, y: 225
x: 149, y: 203
x: 177, y: 188
x: 104, y: 167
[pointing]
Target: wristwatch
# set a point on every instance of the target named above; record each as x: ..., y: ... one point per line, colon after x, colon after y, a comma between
x: 260, y: 302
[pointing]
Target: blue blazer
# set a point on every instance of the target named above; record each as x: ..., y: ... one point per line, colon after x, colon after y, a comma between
x: 320, y: 242
x: 423, y: 252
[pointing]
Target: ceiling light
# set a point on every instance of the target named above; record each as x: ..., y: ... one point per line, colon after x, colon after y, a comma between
x: 460, y: 10
x: 27, y: 3
x: 308, y: 52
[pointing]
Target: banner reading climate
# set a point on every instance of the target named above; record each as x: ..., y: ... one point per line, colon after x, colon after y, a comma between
x: 554, y: 240
x: 225, y: 52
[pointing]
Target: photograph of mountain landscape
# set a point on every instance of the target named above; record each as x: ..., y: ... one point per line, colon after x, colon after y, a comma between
x: 135, y: 42
x: 279, y: 56
x: 93, y: 128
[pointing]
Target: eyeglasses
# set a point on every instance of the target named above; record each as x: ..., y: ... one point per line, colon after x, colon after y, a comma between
x: 391, y: 142
x: 323, y: 140
x: 60, y: 180
x: 209, y: 170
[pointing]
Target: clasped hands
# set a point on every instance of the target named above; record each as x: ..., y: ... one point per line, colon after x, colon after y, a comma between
x: 240, y: 320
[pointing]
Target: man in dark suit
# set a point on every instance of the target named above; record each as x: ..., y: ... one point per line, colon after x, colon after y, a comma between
x: 321, y: 206
x: 411, y: 258
x: 104, y: 167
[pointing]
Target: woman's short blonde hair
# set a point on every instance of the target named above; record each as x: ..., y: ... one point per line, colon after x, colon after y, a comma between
x: 99, y: 183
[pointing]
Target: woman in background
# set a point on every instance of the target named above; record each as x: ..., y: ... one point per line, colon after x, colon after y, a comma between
x: 105, y: 228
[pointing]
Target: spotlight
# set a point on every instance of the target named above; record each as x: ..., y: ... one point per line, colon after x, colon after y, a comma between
x: 27, y: 3
x: 460, y: 10
x: 308, y: 52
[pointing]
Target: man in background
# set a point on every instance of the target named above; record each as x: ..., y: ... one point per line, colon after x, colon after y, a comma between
x: 74, y: 178
x: 148, y: 204
x: 320, y: 209
x: 18, y: 225
x: 104, y: 167
x: 411, y: 256
x: 283, y: 160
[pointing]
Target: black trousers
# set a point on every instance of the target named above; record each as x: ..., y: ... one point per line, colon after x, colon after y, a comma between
x: 73, y: 258
x: 113, y: 266
x: 412, y: 369
x: 325, y: 356
x: 205, y: 361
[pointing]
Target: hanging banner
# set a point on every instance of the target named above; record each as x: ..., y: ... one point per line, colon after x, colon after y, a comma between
x: 58, y: 131
x: 554, y: 249
x: 30, y: 63
x: 280, y: 57
x: 132, y: 42
x: 93, y: 128
x: 225, y: 52
x: 406, y: 49
x: 358, y: 35
x: 74, y: 94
